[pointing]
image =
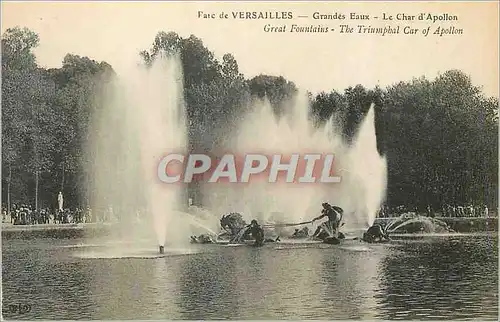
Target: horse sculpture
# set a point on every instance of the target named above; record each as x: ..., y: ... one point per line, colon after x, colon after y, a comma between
x: 376, y: 234
x: 232, y: 223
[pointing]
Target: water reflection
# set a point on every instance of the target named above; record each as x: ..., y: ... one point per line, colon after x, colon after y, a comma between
x: 440, y: 278
x: 252, y: 284
x: 52, y: 288
x: 279, y: 286
x: 206, y: 287
x: 351, y: 282
x: 301, y: 296
x: 135, y: 288
x: 164, y: 286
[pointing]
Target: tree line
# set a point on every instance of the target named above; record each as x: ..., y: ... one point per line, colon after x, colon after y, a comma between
x: 440, y: 136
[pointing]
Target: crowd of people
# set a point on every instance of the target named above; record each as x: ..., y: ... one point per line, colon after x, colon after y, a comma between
x: 445, y: 211
x: 26, y: 215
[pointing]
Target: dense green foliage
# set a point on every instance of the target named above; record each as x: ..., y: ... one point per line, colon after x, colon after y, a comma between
x: 440, y: 136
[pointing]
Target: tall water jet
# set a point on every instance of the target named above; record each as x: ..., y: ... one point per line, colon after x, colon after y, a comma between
x: 360, y: 192
x: 157, y: 96
x: 367, y: 172
x: 142, y: 121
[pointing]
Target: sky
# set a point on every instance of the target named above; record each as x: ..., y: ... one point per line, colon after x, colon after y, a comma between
x: 115, y: 32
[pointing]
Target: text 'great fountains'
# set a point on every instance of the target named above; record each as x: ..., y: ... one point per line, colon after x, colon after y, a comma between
x: 361, y: 168
x: 143, y: 120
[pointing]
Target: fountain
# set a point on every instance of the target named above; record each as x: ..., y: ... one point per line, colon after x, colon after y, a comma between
x: 362, y: 169
x: 145, y: 120
x: 142, y: 120
x: 412, y: 223
x: 366, y: 174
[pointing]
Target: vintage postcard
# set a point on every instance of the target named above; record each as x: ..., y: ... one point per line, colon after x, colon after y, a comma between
x: 250, y: 160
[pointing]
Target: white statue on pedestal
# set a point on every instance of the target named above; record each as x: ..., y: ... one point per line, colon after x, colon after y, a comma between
x: 60, y: 201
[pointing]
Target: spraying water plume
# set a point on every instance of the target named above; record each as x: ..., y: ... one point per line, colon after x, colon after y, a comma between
x: 362, y: 169
x: 366, y: 174
x: 142, y: 121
